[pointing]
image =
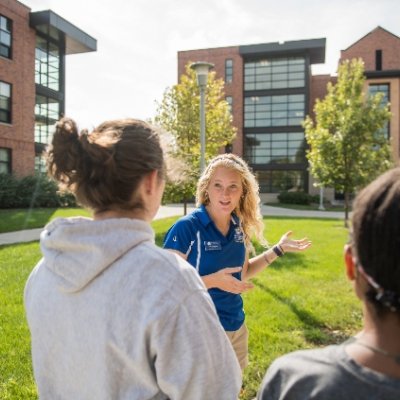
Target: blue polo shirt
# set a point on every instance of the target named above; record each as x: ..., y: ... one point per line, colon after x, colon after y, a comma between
x: 208, y: 250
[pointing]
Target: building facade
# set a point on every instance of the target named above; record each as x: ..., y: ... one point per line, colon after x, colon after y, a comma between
x: 380, y: 51
x: 33, y: 46
x: 271, y: 89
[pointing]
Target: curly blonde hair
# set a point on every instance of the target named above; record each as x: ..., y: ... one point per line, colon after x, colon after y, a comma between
x: 248, y: 209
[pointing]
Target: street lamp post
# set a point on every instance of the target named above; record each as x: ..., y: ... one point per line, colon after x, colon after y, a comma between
x: 202, y: 68
x: 321, y: 198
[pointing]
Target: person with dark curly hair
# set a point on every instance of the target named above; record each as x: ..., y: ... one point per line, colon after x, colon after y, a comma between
x: 367, y: 366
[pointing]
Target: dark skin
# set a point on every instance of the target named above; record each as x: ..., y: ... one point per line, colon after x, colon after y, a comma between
x: 378, y: 332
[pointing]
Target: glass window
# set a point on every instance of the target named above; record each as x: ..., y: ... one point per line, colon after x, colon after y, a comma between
x: 275, y: 73
x: 40, y: 164
x: 5, y: 102
x: 5, y: 37
x: 47, y: 113
x: 228, y: 70
x: 229, y: 100
x: 47, y: 64
x: 5, y: 161
x: 275, y: 148
x: 380, y: 88
x: 385, y: 89
x: 277, y: 181
x: 267, y: 111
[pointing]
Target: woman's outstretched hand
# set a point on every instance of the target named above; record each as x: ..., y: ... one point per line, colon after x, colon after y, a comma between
x: 289, y: 245
x: 224, y: 280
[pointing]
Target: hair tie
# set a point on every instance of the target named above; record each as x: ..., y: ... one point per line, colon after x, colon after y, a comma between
x: 389, y: 299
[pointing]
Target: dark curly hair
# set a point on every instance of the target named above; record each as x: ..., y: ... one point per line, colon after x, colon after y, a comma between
x: 376, y: 236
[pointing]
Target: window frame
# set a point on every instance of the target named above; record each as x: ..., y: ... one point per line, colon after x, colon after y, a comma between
x: 386, y: 129
x: 274, y: 110
x: 229, y: 100
x: 276, y: 180
x: 275, y: 148
x: 228, y: 70
x: 6, y: 32
x: 7, y: 111
x: 8, y: 162
x: 48, y: 62
x: 47, y: 113
x: 275, y: 73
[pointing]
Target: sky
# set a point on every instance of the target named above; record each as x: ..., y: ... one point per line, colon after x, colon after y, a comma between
x: 138, y: 42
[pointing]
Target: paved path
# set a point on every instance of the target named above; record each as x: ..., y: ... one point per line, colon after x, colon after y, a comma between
x: 177, y: 210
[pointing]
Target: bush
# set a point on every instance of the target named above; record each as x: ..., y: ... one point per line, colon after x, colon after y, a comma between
x: 178, y: 193
x: 32, y: 191
x: 8, y: 190
x: 295, y: 198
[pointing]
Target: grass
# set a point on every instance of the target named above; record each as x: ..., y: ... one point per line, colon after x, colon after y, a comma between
x: 18, y: 219
x: 16, y: 381
x: 313, y: 206
x: 301, y: 301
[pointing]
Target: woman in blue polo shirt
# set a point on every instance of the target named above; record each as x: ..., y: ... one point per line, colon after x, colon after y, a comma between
x: 215, y: 239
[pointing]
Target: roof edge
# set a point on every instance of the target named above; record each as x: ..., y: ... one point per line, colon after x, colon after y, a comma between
x: 77, y: 41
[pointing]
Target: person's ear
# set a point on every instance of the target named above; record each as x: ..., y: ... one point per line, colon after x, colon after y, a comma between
x: 150, y: 183
x: 350, y: 262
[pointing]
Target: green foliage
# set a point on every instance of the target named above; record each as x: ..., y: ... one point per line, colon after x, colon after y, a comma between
x: 179, y: 115
x: 8, y: 190
x: 346, y: 149
x: 32, y: 191
x: 178, y: 192
x: 296, y: 198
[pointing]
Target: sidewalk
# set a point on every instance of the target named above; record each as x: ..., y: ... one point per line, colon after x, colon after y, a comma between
x: 172, y: 210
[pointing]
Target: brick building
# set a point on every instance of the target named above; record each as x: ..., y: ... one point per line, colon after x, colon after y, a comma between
x: 271, y: 89
x: 380, y: 51
x: 33, y: 46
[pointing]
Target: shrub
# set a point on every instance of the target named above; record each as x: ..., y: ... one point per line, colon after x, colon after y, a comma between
x: 8, y: 190
x: 32, y: 191
x: 295, y: 198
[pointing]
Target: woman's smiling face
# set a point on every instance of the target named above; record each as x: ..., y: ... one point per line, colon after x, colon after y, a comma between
x: 224, y: 190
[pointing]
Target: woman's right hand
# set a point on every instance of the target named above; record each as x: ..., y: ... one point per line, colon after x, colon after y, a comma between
x: 224, y: 280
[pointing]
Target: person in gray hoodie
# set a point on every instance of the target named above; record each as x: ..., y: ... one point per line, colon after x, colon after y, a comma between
x: 111, y: 315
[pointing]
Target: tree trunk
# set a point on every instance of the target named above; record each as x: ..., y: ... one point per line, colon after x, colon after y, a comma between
x: 184, y: 206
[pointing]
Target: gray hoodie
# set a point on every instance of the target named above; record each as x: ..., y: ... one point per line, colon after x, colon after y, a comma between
x: 112, y: 316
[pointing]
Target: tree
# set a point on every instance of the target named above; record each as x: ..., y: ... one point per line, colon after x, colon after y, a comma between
x: 347, y: 150
x: 179, y: 114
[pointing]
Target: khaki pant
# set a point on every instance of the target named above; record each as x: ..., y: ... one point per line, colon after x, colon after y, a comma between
x: 239, y: 341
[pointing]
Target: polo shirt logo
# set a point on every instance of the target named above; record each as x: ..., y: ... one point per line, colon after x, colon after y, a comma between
x: 238, y: 237
x: 212, y: 246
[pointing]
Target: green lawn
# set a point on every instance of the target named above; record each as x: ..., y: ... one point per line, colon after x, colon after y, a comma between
x: 301, y: 301
x: 18, y: 219
x: 312, y: 207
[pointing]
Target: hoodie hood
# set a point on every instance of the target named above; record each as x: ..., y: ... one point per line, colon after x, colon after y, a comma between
x: 78, y: 249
